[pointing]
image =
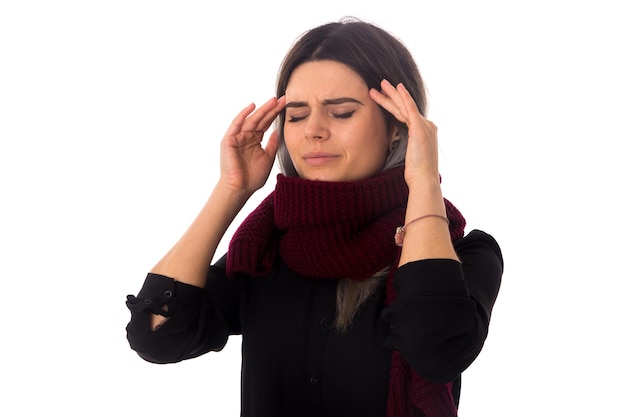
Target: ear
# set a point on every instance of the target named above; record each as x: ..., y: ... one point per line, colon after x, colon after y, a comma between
x: 394, y: 138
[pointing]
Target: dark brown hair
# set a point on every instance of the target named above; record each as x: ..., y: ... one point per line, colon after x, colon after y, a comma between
x: 368, y: 50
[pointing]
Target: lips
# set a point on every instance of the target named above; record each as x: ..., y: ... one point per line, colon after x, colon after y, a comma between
x: 319, y: 158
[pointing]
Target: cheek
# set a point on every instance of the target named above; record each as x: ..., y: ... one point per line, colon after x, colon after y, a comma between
x: 287, y: 134
x: 291, y: 144
x: 292, y: 131
x: 288, y: 142
x: 377, y: 137
x: 375, y: 152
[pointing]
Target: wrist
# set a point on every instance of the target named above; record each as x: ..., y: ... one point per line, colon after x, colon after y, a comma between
x: 425, y: 197
x: 232, y: 193
x: 425, y: 188
x: 424, y: 183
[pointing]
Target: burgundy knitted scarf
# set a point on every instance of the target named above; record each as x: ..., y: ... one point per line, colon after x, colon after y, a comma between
x: 342, y: 230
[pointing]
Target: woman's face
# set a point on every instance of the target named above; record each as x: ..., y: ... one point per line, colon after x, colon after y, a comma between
x: 333, y: 130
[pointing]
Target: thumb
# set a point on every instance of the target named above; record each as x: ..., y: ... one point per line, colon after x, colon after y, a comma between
x: 272, y: 145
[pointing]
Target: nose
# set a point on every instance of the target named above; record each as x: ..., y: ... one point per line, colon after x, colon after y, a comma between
x: 316, y: 127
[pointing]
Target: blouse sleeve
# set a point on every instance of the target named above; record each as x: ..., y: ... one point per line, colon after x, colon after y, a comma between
x: 199, y: 320
x: 440, y: 318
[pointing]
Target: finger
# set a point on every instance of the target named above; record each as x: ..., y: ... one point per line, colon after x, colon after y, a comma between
x: 406, y: 105
x: 387, y: 93
x: 253, y: 120
x: 238, y: 121
x: 272, y: 144
x: 272, y: 113
x: 248, y: 137
x: 263, y: 117
x: 379, y: 97
x: 400, y: 100
x: 408, y: 101
x: 387, y: 102
x: 416, y: 118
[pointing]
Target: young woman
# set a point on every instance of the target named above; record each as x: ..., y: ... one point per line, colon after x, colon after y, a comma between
x: 341, y: 311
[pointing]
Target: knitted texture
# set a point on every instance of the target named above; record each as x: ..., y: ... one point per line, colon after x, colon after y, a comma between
x: 342, y: 230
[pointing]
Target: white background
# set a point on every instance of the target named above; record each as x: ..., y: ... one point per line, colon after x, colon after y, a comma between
x: 111, y: 113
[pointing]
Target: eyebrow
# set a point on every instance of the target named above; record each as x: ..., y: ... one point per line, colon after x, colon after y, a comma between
x: 326, y: 102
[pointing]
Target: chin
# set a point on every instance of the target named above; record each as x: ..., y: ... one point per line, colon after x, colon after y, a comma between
x: 325, y: 176
x: 330, y: 176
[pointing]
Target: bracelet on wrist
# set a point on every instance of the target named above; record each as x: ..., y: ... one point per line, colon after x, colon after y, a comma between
x: 399, y: 236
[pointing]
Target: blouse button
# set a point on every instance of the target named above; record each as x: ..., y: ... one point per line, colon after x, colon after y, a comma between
x: 313, y: 381
x: 147, y: 301
x: 323, y: 321
x: 168, y: 294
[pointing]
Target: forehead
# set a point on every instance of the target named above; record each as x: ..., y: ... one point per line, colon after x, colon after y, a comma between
x: 325, y: 79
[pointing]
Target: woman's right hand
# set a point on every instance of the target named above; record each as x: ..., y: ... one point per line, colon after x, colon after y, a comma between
x: 244, y: 164
x: 244, y: 168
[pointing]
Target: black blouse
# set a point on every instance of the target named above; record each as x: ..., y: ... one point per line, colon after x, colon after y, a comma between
x: 294, y: 363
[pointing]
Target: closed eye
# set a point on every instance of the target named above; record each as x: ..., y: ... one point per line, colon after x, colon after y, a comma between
x: 345, y: 115
x: 293, y: 119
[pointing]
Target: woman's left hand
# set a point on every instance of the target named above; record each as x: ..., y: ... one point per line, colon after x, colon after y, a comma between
x: 421, y: 154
